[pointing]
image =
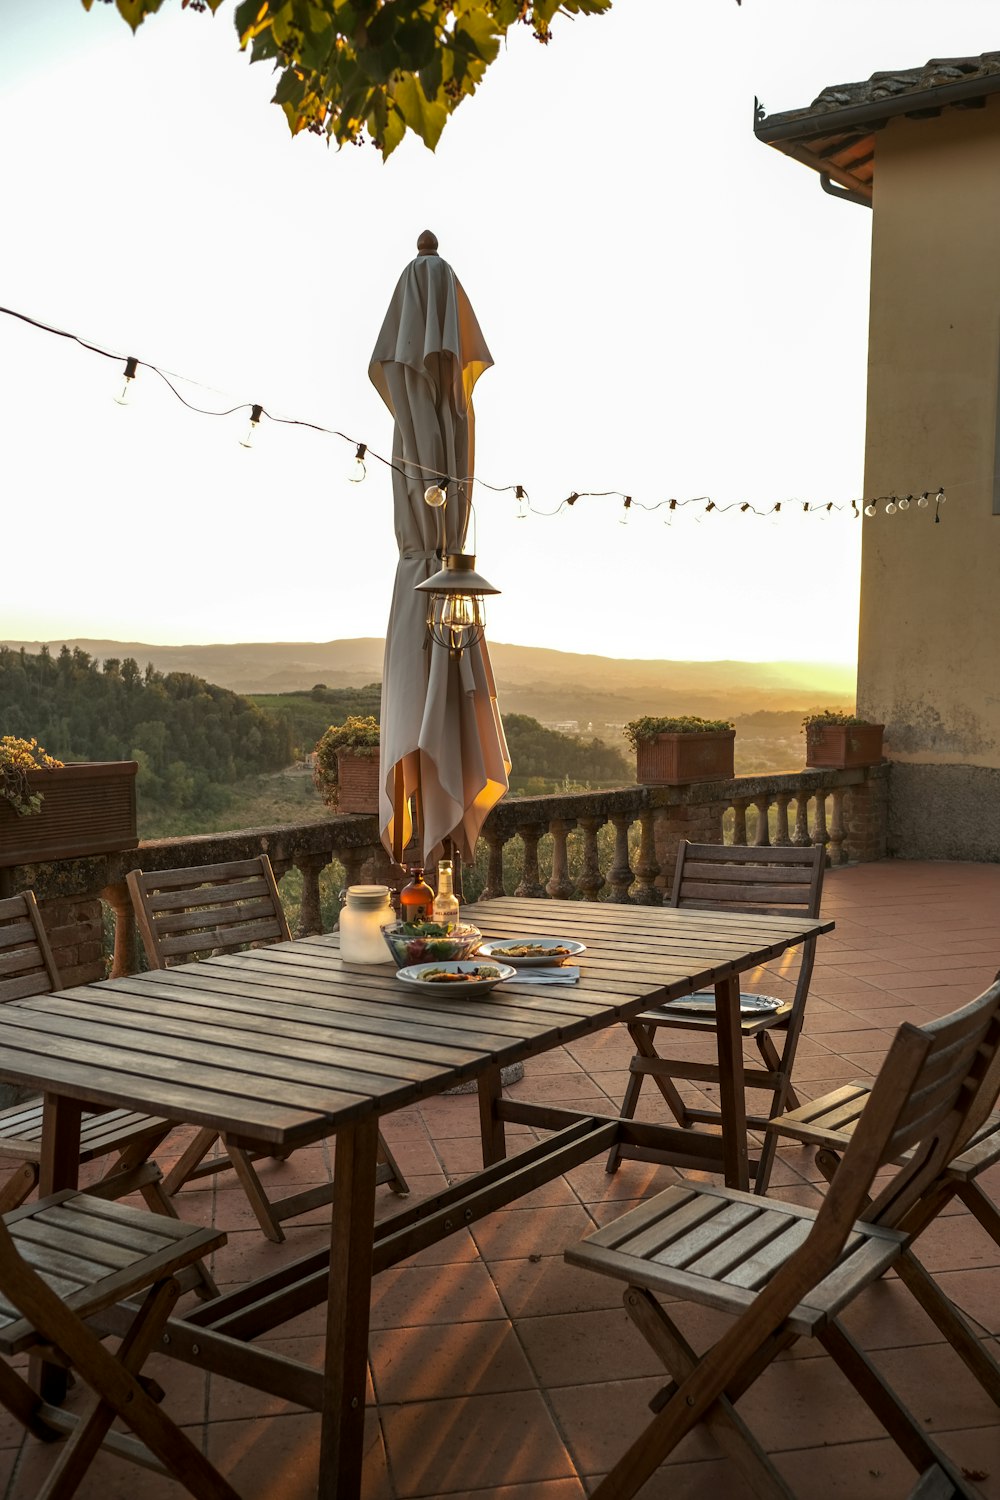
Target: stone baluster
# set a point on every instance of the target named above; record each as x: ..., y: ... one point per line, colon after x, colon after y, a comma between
x: 762, y: 834
x: 531, y: 880
x: 280, y: 867
x: 801, y: 838
x: 126, y: 955
x: 740, y: 805
x: 310, y: 919
x: 646, y: 866
x: 838, y: 854
x: 781, y: 835
x: 620, y: 875
x: 353, y: 861
x: 494, y: 869
x: 819, y: 832
x: 591, y: 880
x: 559, y: 884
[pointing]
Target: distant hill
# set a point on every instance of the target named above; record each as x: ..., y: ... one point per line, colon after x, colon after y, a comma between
x: 552, y: 686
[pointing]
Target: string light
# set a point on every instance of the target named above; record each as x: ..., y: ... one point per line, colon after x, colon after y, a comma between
x: 131, y: 365
x: 256, y: 412
x: 357, y: 471
x: 436, y: 491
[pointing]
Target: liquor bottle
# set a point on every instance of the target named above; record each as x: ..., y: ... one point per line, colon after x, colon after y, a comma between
x: 416, y: 899
x: 446, y: 902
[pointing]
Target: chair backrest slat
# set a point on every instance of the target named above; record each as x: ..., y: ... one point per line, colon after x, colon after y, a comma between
x: 213, y: 909
x: 27, y: 966
x: 767, y: 880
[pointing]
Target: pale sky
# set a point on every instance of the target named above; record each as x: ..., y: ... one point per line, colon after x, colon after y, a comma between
x: 672, y: 308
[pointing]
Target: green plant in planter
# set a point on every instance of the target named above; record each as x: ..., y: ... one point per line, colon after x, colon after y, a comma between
x: 832, y: 716
x: 358, y: 735
x: 649, y: 726
x: 17, y: 758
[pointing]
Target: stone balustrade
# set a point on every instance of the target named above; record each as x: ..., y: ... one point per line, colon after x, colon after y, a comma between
x: 615, y: 845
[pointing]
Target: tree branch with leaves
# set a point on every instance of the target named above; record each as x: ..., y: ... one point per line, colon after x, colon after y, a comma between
x: 351, y: 69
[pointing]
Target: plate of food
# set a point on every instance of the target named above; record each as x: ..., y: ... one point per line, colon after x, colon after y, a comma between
x: 457, y: 978
x: 531, y: 952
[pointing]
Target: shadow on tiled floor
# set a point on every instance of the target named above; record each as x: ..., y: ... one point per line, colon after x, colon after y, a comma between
x: 500, y: 1373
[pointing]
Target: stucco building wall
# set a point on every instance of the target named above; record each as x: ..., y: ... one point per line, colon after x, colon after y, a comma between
x: 929, y: 645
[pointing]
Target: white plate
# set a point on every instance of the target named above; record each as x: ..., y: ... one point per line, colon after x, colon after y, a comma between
x: 495, y: 949
x: 703, y: 1003
x: 455, y: 989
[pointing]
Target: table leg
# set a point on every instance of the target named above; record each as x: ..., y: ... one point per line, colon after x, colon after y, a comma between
x: 59, y: 1168
x: 732, y: 1096
x: 490, y: 1124
x: 348, y: 1307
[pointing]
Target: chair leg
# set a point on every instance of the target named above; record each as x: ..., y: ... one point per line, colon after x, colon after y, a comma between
x: 19, y: 1186
x: 943, y: 1313
x: 254, y: 1190
x: 979, y: 1204
x: 727, y: 1427
x: 904, y: 1429
x: 192, y: 1157
x: 642, y: 1036
x: 387, y: 1169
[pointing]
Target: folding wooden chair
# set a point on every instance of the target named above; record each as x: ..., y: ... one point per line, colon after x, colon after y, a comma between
x: 221, y: 909
x: 63, y: 1259
x: 731, y: 877
x: 828, y: 1124
x: 786, y: 1272
x: 28, y: 968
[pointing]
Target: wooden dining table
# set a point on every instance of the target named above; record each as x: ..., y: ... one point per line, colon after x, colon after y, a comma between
x: 281, y: 1046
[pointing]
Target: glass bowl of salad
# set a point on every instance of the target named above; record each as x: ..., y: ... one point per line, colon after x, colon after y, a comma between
x: 426, y: 942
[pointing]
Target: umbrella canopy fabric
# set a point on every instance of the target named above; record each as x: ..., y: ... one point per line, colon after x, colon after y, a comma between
x: 440, y: 723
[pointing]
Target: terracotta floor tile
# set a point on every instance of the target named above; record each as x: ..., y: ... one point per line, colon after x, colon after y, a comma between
x: 581, y: 1347
x: 975, y: 1293
x: 448, y: 1359
x: 108, y: 1478
x: 454, y: 1447
x: 279, y: 1459
x: 940, y: 1392
x: 872, y: 1470
x: 539, y: 1231
x: 546, y: 1489
x: 601, y: 1421
x: 408, y: 1296
x: 548, y: 1285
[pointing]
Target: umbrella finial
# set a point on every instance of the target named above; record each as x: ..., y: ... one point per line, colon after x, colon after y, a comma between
x: 427, y: 244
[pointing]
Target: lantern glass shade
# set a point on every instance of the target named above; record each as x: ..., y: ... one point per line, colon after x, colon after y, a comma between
x: 456, y: 615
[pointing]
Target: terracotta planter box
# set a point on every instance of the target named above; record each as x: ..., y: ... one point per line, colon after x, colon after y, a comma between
x: 358, y: 781
x: 671, y: 759
x: 88, y: 808
x: 842, y: 747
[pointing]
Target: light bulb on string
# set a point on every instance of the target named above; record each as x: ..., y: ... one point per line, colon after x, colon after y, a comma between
x: 356, y: 470
x: 623, y: 518
x: 939, y: 500
x: 890, y: 508
x: 521, y: 497
x: 903, y: 503
x: 131, y: 365
x: 436, y: 494
x: 869, y: 509
x: 256, y: 412
x: 924, y: 500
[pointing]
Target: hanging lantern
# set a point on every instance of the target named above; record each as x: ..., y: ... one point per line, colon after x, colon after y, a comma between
x: 455, y: 614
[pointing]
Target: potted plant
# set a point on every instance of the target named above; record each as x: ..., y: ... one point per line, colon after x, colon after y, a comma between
x: 842, y: 741
x: 672, y: 750
x: 346, y: 770
x: 49, y: 810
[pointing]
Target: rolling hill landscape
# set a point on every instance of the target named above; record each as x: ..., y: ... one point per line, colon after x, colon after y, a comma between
x: 555, y: 687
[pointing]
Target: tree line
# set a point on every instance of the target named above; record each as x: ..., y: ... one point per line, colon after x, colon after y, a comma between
x: 190, y: 738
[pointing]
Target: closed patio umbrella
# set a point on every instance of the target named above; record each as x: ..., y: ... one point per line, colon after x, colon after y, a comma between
x: 442, y: 741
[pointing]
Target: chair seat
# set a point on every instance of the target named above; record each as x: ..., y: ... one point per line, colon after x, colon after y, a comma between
x: 719, y: 1247
x: 100, y: 1133
x: 93, y: 1253
x: 681, y: 1019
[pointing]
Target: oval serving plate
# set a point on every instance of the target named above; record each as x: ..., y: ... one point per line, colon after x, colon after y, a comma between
x: 543, y: 952
x: 416, y: 976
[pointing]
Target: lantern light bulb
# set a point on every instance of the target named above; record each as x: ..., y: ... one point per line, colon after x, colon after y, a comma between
x: 356, y: 469
x: 522, y: 501
x: 623, y: 518
x: 890, y: 508
x: 256, y: 412
x: 869, y: 509
x: 131, y: 365
x: 903, y: 503
x: 436, y: 494
x: 924, y: 501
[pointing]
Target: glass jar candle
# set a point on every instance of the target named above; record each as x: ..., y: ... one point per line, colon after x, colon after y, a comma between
x: 366, y: 910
